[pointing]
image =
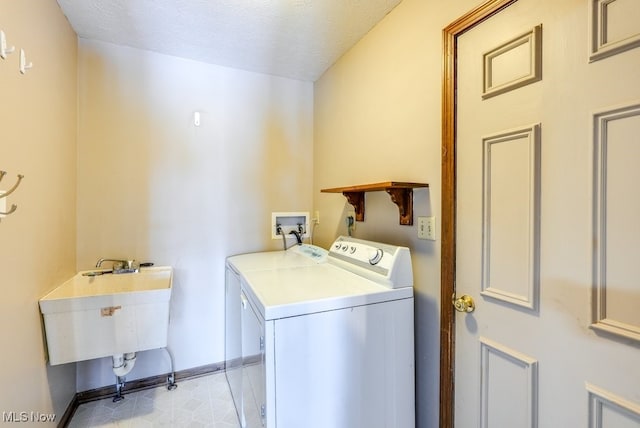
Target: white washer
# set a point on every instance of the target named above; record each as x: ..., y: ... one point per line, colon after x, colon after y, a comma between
x: 326, y: 344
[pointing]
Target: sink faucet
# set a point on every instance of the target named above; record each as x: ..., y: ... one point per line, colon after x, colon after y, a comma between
x: 121, y: 266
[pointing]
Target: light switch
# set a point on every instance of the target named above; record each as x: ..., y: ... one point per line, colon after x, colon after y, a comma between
x: 427, y: 228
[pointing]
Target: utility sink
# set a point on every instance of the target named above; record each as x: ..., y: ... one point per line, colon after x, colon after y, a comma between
x: 95, y: 314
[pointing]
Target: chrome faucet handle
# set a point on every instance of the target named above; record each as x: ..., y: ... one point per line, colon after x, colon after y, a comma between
x: 116, y: 262
x: 132, y: 264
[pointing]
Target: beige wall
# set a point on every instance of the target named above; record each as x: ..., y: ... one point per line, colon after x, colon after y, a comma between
x: 154, y: 187
x: 377, y: 118
x: 37, y: 242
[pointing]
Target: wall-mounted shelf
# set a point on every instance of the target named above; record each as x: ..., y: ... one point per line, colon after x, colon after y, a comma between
x: 401, y: 194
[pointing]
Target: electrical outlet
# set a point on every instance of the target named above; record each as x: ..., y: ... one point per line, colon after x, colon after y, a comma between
x: 316, y: 218
x: 427, y: 228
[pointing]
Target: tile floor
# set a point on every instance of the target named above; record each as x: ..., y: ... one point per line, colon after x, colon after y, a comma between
x: 200, y: 402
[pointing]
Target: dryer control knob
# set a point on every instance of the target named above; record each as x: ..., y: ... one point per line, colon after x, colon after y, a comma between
x: 375, y: 256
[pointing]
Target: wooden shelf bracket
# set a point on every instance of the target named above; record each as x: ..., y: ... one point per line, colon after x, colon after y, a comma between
x: 357, y: 200
x: 401, y: 194
x: 403, y: 198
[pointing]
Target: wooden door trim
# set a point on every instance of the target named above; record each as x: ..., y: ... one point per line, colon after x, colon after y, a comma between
x: 448, y: 248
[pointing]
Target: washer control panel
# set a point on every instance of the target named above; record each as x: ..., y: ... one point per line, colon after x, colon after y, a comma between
x: 384, y: 263
x: 312, y: 251
x: 359, y: 251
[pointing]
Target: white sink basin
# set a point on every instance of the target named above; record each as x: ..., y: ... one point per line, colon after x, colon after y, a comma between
x: 84, y: 292
x: 90, y: 317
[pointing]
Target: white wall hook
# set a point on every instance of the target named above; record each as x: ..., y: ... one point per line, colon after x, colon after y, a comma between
x: 4, y: 50
x: 13, y: 208
x: 3, y: 195
x: 15, y: 186
x: 24, y: 66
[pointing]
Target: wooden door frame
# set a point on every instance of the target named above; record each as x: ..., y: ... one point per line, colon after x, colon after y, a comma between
x: 448, y: 256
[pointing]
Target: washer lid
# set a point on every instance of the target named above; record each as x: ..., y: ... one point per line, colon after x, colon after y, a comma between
x: 308, y: 289
x: 299, y: 255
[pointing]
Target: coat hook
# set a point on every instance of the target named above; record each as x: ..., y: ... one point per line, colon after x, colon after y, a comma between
x: 13, y: 208
x: 4, y: 50
x: 24, y: 66
x: 15, y: 186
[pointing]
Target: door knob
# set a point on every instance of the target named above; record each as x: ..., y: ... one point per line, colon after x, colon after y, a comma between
x: 463, y: 303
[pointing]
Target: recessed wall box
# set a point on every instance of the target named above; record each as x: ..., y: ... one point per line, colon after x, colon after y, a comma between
x: 288, y: 221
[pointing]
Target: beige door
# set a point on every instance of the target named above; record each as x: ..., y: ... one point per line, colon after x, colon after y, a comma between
x: 548, y: 217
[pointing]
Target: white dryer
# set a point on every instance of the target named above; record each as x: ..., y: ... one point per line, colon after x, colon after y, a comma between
x: 238, y: 366
x: 326, y: 344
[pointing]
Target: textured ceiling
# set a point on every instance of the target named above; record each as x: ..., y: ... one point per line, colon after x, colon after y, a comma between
x: 297, y: 39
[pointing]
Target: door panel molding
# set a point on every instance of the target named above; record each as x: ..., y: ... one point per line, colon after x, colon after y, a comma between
x: 509, y: 386
x: 613, y: 27
x: 615, y: 282
x: 511, y: 207
x: 505, y: 69
x: 605, y: 406
x: 450, y: 36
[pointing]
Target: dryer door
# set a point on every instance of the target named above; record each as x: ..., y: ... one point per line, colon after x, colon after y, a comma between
x: 253, y: 367
x: 233, y: 335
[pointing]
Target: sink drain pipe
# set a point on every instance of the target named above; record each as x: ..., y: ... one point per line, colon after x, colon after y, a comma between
x: 122, y: 365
